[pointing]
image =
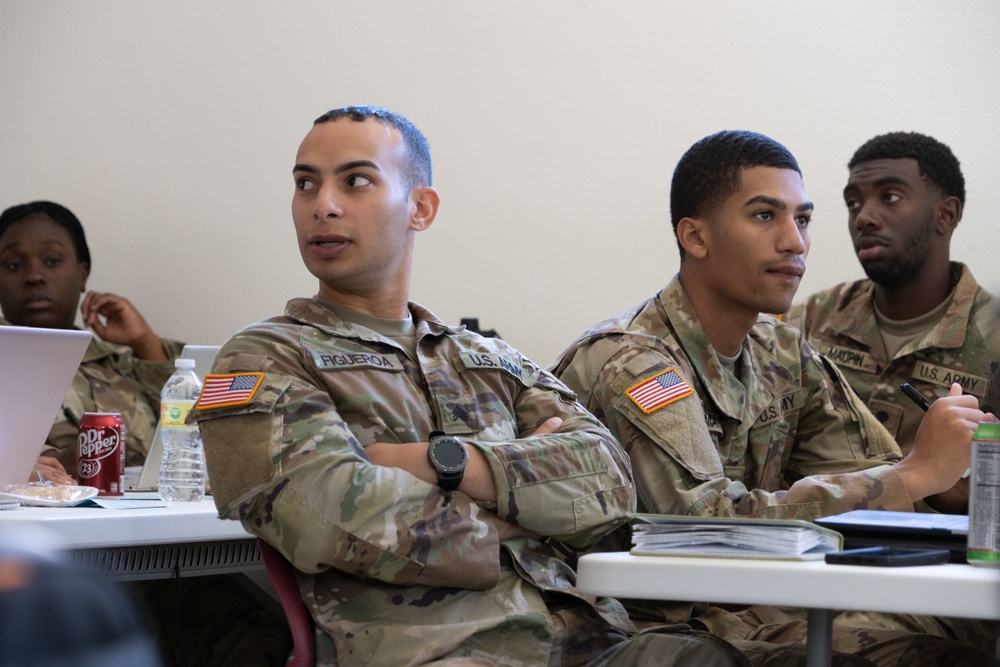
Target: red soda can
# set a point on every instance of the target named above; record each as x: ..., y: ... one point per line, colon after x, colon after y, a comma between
x: 100, y: 449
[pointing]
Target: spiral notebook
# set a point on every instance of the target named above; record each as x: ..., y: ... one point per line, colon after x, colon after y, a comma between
x: 36, y: 369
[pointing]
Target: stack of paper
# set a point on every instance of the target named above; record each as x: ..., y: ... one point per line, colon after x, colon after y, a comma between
x: 731, y: 537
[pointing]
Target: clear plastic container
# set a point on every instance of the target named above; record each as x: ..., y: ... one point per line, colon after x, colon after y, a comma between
x: 182, y: 470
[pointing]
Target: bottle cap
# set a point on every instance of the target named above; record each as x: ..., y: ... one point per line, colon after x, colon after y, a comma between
x: 185, y: 364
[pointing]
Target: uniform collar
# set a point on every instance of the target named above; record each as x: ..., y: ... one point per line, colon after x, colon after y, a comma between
x: 855, y: 314
x: 741, y: 395
x: 317, y: 313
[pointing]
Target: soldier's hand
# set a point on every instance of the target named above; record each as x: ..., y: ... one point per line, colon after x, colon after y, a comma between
x: 51, y: 471
x: 942, y: 449
x: 117, y: 321
x: 550, y: 425
x: 509, y: 531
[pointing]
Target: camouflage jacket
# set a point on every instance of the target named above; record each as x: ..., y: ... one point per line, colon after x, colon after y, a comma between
x: 840, y: 323
x: 112, y: 379
x: 394, y: 569
x: 783, y: 437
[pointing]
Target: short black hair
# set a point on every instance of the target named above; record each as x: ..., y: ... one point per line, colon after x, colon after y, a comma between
x: 419, y: 171
x: 59, y: 214
x: 938, y: 165
x: 710, y: 171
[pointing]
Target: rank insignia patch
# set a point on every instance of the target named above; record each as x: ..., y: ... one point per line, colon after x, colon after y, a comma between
x: 221, y: 391
x: 663, y: 389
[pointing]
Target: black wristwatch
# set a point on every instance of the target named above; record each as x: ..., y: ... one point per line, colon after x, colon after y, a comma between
x: 448, y: 457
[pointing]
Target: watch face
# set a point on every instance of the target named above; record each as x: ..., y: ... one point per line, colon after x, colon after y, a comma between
x: 449, y: 454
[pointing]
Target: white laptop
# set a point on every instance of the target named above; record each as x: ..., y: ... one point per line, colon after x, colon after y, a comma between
x: 204, y: 357
x: 36, y: 369
x: 148, y: 478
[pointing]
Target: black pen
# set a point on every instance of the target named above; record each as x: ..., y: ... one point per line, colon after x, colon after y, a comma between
x: 71, y: 418
x: 915, y: 396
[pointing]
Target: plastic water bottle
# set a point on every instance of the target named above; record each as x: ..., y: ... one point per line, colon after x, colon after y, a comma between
x: 182, y: 470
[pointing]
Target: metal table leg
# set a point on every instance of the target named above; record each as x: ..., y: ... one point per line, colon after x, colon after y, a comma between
x: 819, y: 638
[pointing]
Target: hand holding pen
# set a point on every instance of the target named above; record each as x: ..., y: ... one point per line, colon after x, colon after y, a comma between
x: 918, y: 398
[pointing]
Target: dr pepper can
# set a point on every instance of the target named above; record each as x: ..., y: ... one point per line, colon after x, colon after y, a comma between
x: 101, y: 452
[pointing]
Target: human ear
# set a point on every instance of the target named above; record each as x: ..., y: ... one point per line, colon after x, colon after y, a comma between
x: 949, y: 212
x: 425, y: 208
x: 692, y: 234
x: 84, y: 274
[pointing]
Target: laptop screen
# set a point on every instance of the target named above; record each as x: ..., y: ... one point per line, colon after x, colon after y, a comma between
x: 204, y: 357
x: 36, y: 369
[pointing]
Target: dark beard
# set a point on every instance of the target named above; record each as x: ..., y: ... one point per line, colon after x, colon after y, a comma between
x: 896, y: 272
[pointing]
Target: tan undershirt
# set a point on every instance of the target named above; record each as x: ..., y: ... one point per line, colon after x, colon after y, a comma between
x: 896, y: 334
x: 401, y: 331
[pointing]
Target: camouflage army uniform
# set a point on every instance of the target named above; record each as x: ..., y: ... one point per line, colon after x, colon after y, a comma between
x: 393, y: 569
x: 112, y: 379
x: 224, y: 624
x: 840, y: 323
x: 784, y: 437
x: 963, y: 347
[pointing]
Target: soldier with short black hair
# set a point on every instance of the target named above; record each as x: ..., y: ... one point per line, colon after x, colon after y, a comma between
x: 727, y: 411
x: 750, y: 420
x: 919, y: 318
x: 430, y: 485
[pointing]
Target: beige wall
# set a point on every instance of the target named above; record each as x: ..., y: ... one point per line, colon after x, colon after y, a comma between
x: 170, y: 128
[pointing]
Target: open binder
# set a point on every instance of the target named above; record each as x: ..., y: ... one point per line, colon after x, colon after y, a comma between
x: 732, y: 537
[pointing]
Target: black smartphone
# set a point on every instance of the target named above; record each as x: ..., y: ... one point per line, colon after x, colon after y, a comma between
x: 888, y: 556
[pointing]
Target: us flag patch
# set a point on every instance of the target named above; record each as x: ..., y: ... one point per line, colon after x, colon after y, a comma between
x: 659, y: 390
x: 221, y: 391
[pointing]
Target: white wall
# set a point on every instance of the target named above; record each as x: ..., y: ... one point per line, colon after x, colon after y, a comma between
x: 170, y: 128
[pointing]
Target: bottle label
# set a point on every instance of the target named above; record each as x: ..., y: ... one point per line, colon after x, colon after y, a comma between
x: 174, y: 413
x: 984, y: 497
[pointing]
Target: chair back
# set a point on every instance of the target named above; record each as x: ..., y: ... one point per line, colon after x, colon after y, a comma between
x: 282, y: 576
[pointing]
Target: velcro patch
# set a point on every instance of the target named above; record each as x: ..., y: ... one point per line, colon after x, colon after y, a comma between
x: 227, y: 390
x: 662, y: 389
x: 784, y: 405
x: 944, y: 377
x: 489, y: 361
x: 346, y: 360
x: 714, y: 422
x: 845, y: 356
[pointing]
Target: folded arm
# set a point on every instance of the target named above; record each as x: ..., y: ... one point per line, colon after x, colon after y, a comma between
x: 289, y: 466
